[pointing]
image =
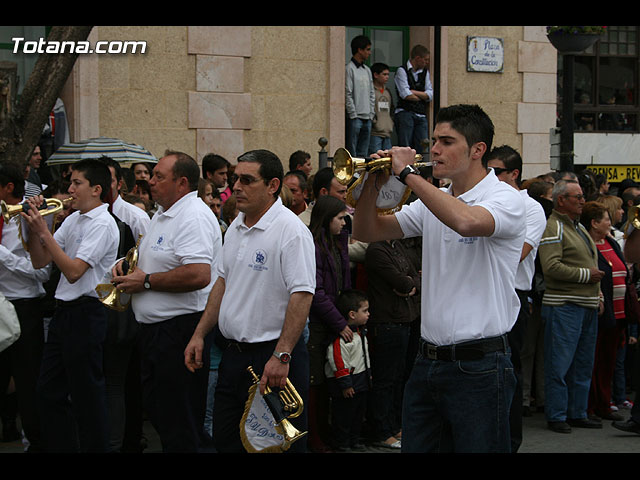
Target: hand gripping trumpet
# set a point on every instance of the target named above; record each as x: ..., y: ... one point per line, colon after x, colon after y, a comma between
x: 282, y: 404
x: 109, y: 294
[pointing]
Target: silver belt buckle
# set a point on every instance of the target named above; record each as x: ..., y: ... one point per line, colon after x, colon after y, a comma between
x: 432, y: 352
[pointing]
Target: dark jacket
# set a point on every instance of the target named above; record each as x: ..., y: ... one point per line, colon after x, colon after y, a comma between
x: 323, y: 306
x: 389, y: 267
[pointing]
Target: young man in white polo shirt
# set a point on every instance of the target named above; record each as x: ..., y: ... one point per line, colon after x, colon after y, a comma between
x: 170, y: 286
x: 83, y: 248
x: 473, y: 234
x: 260, y: 301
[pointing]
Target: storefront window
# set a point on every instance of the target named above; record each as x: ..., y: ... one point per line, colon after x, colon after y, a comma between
x: 606, y: 83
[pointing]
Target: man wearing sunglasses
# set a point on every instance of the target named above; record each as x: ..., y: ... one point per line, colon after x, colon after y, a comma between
x: 569, y: 261
x: 260, y: 301
x: 507, y: 166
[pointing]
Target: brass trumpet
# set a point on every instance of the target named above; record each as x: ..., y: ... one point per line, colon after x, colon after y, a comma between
x: 108, y: 293
x: 345, y: 166
x: 285, y: 403
x: 10, y: 211
x: 50, y: 206
x: 391, y: 196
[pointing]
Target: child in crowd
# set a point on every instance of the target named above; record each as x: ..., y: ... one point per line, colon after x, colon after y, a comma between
x: 348, y: 374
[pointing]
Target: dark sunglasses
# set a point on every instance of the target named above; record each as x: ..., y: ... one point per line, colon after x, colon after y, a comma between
x: 500, y: 171
x: 244, y: 179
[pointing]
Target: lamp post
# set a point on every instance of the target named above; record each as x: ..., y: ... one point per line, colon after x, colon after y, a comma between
x: 568, y: 45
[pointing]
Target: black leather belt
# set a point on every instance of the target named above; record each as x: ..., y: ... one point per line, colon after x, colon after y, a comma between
x: 77, y: 301
x: 472, y: 350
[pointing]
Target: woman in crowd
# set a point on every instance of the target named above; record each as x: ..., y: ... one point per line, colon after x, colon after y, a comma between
x: 325, y: 321
x: 611, y: 318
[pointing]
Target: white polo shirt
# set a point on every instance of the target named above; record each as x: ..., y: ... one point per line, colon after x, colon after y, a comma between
x: 262, y: 266
x: 536, y: 223
x: 94, y: 238
x: 137, y: 219
x: 468, y: 283
x: 187, y: 233
x: 18, y: 278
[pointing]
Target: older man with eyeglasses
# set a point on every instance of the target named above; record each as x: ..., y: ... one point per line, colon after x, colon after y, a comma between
x: 569, y: 261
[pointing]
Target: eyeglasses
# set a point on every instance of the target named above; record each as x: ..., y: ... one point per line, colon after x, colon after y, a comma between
x: 500, y: 171
x: 577, y: 196
x: 244, y: 179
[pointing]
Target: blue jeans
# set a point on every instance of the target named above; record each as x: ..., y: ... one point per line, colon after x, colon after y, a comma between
x: 358, y: 134
x: 411, y: 129
x: 569, y: 349
x: 379, y: 143
x: 460, y: 406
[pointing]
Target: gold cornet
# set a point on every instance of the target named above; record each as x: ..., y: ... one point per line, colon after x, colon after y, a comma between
x: 284, y: 404
x: 345, y: 166
x: 50, y: 206
x: 9, y: 211
x: 108, y: 293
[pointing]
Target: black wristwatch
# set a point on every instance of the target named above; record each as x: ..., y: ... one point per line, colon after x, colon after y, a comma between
x: 284, y: 357
x: 146, y: 284
x: 406, y: 171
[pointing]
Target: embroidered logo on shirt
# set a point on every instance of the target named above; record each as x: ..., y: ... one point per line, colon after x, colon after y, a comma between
x: 159, y: 243
x: 259, y: 260
x: 468, y: 240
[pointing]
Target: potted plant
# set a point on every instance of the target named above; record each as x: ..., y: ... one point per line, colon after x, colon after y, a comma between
x: 574, y: 39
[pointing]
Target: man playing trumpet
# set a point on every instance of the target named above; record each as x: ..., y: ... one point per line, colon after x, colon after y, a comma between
x: 472, y: 239
x: 83, y: 248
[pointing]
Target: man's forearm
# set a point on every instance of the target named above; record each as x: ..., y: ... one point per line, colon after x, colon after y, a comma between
x: 294, y: 320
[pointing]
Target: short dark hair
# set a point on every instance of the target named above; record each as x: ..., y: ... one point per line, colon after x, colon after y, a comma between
x: 508, y: 155
x: 359, y: 42
x: 97, y: 173
x: 270, y: 165
x: 212, y: 162
x: 470, y: 121
x: 418, y: 51
x: 185, y: 166
x: 378, y: 68
x: 297, y: 158
x: 110, y: 162
x: 322, y: 179
x: 350, y: 301
x: 592, y: 211
x: 11, y: 172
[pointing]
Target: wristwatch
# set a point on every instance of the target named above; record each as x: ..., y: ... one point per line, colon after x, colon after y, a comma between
x: 146, y: 284
x: 284, y: 357
x: 408, y: 170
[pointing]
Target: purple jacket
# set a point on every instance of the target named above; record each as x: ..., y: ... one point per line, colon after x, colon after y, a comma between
x: 323, y: 306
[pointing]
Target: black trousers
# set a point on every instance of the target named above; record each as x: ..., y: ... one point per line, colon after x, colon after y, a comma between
x: 347, y: 415
x: 71, y: 387
x: 232, y: 390
x: 174, y: 398
x: 516, y: 342
x: 22, y: 362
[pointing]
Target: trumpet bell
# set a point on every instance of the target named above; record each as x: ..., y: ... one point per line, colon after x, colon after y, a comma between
x: 354, y: 171
x: 109, y: 294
